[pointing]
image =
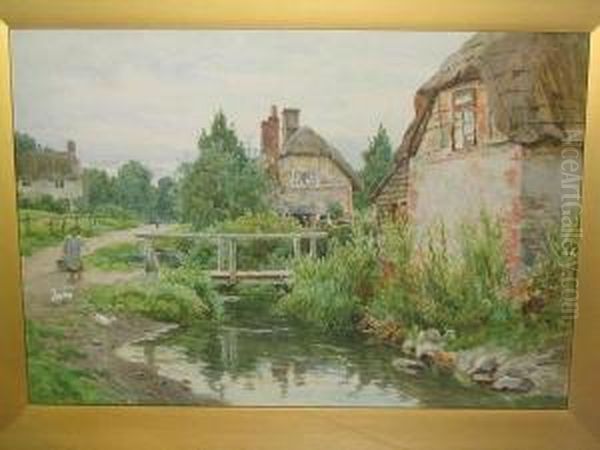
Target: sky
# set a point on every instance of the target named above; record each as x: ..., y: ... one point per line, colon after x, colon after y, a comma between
x: 146, y: 95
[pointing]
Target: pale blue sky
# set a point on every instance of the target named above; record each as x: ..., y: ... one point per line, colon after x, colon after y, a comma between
x: 146, y: 94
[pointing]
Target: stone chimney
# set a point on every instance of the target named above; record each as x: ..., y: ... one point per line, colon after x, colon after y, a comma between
x: 291, y: 122
x: 71, y: 147
x: 269, y: 142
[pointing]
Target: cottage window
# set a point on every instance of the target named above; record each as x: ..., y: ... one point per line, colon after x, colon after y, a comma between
x: 464, y: 129
x: 304, y: 179
x: 59, y: 184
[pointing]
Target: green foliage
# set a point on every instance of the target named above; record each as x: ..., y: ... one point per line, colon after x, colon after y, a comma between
x: 41, y: 229
x: 335, y: 210
x: 99, y: 189
x: 262, y: 222
x: 45, y: 203
x: 125, y: 256
x: 255, y: 254
x: 134, y: 188
x: 331, y: 292
x: 166, y: 199
x: 156, y: 299
x: 462, y: 288
x: 378, y: 162
x: 25, y: 143
x: 51, y: 378
x: 196, y: 279
x: 553, y: 278
x: 222, y: 184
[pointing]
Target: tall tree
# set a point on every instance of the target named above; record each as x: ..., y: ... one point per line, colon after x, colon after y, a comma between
x: 222, y: 138
x: 166, y: 197
x: 98, y: 189
x: 223, y: 183
x: 378, y: 162
x: 134, y: 188
x: 25, y: 142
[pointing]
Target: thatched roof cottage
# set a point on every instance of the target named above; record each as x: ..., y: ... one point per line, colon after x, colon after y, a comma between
x: 491, y: 129
x: 311, y: 174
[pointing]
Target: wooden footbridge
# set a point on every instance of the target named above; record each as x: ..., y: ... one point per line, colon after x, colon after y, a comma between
x: 227, y: 252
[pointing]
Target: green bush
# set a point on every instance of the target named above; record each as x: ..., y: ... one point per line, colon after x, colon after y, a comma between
x: 255, y: 254
x: 45, y: 203
x: 125, y: 256
x: 158, y: 300
x: 197, y: 280
x: 40, y: 229
x: 331, y: 292
x: 462, y: 285
x: 335, y: 210
x: 51, y: 378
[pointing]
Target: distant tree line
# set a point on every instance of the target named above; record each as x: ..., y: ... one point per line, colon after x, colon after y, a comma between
x: 222, y: 183
x: 130, y: 191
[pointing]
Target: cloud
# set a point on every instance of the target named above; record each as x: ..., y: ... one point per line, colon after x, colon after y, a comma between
x: 146, y: 94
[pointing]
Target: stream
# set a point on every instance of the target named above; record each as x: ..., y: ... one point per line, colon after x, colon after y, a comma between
x: 256, y: 357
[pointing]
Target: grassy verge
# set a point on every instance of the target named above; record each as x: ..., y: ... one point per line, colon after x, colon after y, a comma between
x: 41, y: 229
x: 181, y: 296
x: 460, y: 284
x: 52, y: 379
x: 123, y: 257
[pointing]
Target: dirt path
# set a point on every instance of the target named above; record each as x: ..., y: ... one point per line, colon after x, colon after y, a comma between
x: 41, y: 274
x: 134, y: 383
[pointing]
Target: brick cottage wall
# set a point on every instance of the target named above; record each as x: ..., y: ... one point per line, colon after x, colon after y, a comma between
x: 520, y: 186
x: 333, y: 185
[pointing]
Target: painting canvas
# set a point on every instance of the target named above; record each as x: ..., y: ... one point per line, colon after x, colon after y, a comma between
x: 299, y: 218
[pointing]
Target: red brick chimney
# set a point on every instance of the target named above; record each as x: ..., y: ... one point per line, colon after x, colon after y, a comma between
x: 269, y: 140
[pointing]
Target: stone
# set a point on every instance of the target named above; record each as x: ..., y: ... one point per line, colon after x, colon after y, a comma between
x: 446, y: 361
x: 483, y: 378
x: 449, y: 336
x: 430, y: 335
x: 103, y: 320
x: 96, y: 342
x: 512, y: 384
x: 484, y: 364
x: 409, y: 346
x: 427, y: 350
x: 429, y: 342
x: 408, y: 366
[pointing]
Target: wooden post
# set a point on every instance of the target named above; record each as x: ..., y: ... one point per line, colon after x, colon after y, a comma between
x: 313, y: 247
x: 219, y: 253
x: 232, y: 259
x: 297, y: 251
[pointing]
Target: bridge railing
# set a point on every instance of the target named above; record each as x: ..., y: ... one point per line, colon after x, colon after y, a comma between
x: 227, y: 245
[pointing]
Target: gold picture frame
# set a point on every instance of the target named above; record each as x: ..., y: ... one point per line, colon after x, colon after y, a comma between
x: 24, y: 426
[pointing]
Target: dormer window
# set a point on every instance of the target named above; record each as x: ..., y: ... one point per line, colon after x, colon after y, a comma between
x: 464, y: 123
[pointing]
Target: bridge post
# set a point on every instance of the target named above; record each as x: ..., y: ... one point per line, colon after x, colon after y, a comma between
x: 296, y: 243
x: 220, y: 254
x: 313, y: 247
x: 232, y: 259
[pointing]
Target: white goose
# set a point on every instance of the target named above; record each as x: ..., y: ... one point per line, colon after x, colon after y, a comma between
x: 58, y: 298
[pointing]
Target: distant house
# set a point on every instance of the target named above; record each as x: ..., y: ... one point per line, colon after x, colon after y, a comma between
x: 49, y: 172
x: 312, y: 176
x: 492, y: 127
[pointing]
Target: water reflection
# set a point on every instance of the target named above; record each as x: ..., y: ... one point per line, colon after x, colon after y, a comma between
x: 256, y: 358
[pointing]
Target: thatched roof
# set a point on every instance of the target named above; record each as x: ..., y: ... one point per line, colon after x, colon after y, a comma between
x: 50, y: 165
x: 536, y: 84
x: 307, y: 142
